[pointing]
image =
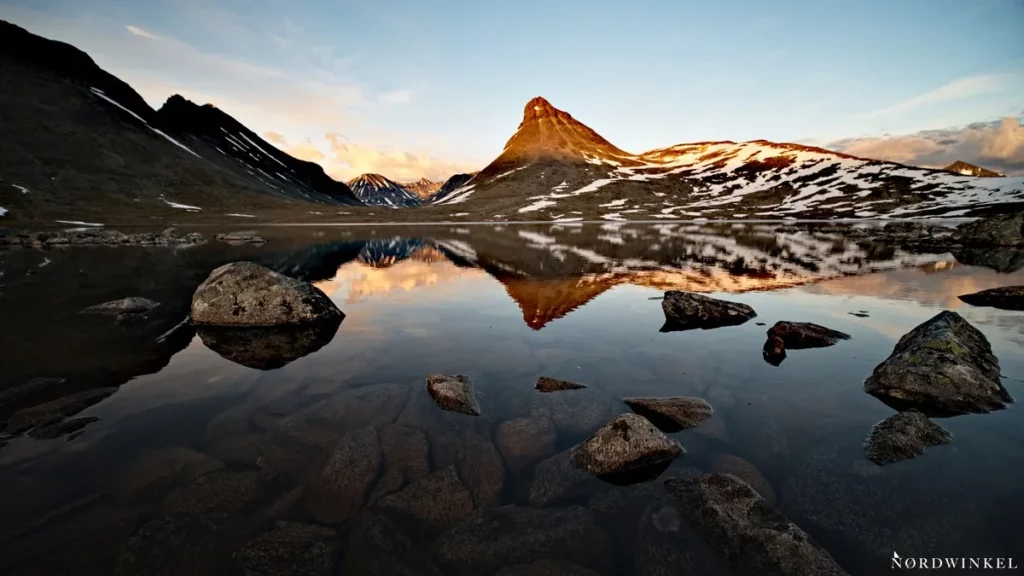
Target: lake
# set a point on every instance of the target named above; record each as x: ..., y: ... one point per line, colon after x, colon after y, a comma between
x: 198, y: 453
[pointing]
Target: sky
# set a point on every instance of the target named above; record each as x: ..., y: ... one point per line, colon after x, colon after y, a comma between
x: 408, y: 88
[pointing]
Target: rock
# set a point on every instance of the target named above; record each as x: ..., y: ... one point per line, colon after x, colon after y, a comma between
x: 774, y: 350
x: 903, y: 435
x: 292, y: 450
x: 713, y: 429
x: 574, y: 412
x: 750, y: 535
x: 130, y: 305
x: 943, y: 366
x: 378, y: 546
x: 454, y: 393
x: 242, y: 450
x: 558, y: 478
x: 801, y: 335
x: 61, y: 428
x: 433, y: 503
x: 373, y: 406
x: 53, y: 412
x: 547, y: 568
x: 740, y: 468
x: 290, y: 548
x: 1001, y: 230
x: 1000, y: 259
x: 22, y: 393
x: 345, y: 481
x: 158, y: 471
x: 247, y: 294
x: 545, y: 384
x: 480, y: 467
x: 100, y: 236
x: 170, y: 546
x: 218, y: 493
x: 406, y: 458
x: 671, y: 413
x: 687, y: 311
x: 489, y: 540
x: 241, y: 237
x: 1005, y: 298
x: 524, y: 440
x: 268, y: 348
x: 627, y: 442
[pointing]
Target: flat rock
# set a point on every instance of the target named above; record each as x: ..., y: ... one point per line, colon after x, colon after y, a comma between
x: 801, y: 335
x: 671, y: 413
x: 903, y: 435
x: 268, y: 348
x: 546, y: 384
x: 1005, y: 298
x: 129, y: 305
x: 627, y: 442
x: 1001, y: 230
x: 290, y: 548
x: 508, y: 536
x: 731, y: 464
x: 247, y: 294
x: 943, y: 366
x: 433, y: 503
x: 547, y: 568
x: 574, y: 412
x: 556, y: 478
x: 345, y: 481
x: 241, y: 237
x: 454, y: 393
x: 687, y: 311
x: 53, y: 412
x: 379, y: 546
x: 750, y: 535
x: 522, y: 441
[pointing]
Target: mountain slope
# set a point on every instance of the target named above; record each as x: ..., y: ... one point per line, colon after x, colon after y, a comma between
x: 555, y: 168
x: 423, y: 188
x: 81, y: 145
x: 376, y: 190
x: 451, y: 185
x: 965, y: 169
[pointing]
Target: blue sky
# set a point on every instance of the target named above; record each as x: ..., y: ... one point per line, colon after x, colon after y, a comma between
x: 416, y: 87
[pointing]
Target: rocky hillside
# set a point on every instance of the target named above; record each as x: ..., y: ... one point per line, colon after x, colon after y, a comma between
x: 81, y: 145
x: 423, y: 188
x: 966, y: 169
x: 376, y: 190
x: 556, y: 168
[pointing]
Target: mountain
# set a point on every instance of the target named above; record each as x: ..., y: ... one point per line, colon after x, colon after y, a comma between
x: 376, y: 190
x: 452, y: 184
x: 423, y: 188
x: 965, y: 169
x: 80, y: 144
x: 556, y: 168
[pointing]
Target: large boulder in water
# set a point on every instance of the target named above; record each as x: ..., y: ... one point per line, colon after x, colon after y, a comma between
x: 750, y: 535
x: 673, y: 413
x: 944, y: 366
x: 454, y: 393
x: 686, y: 311
x: 801, y: 335
x: 247, y: 294
x: 1002, y: 230
x: 1005, y: 298
x: 626, y: 443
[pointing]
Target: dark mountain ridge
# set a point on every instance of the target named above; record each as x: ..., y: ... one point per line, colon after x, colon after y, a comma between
x: 377, y: 190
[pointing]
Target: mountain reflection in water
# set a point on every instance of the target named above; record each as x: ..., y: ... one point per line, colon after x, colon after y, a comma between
x: 234, y: 428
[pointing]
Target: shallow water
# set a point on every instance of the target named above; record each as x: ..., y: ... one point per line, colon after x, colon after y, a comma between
x: 504, y: 306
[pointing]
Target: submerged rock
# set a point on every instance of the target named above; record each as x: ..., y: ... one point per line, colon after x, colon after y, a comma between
x: 687, y: 311
x: 480, y: 467
x: 774, y: 351
x: 556, y: 478
x: 379, y: 546
x: 513, y: 535
x: 158, y: 471
x: 290, y: 548
x: 545, y: 384
x: 1005, y: 298
x: 673, y: 413
x: 525, y: 440
x: 61, y: 428
x: 750, y: 535
x: 344, y: 483
x: 433, y: 503
x: 129, y: 305
x: 241, y: 237
x: 903, y: 435
x: 574, y: 412
x: 406, y: 458
x: 627, y: 442
x: 800, y: 335
x: 943, y: 366
x: 740, y: 468
x: 247, y: 294
x: 1001, y: 230
x: 454, y: 393
x: 53, y: 412
x: 268, y: 348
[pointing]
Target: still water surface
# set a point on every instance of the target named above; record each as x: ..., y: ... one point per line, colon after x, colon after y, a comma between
x: 504, y: 306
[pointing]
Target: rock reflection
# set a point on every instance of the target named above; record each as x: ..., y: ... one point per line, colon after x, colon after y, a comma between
x: 268, y: 348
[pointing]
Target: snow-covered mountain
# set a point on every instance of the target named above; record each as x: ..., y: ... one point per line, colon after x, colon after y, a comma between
x: 556, y: 168
x: 376, y: 190
x: 966, y: 169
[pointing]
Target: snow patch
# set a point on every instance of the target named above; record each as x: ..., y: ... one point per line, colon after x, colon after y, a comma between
x: 137, y: 117
x: 21, y: 188
x: 241, y: 215
x: 182, y: 206
x: 77, y: 223
x: 537, y: 205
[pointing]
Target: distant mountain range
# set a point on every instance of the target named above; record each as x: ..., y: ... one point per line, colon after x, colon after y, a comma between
x: 82, y: 146
x: 965, y: 169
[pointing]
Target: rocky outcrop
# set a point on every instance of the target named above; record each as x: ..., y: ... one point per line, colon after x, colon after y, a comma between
x: 525, y: 440
x: 626, y: 443
x: 344, y: 483
x: 454, y: 393
x: 433, y: 503
x: 545, y: 384
x: 100, y: 236
x: 247, y: 294
x: 1004, y: 298
x: 687, y: 311
x: 290, y: 548
x: 241, y: 237
x: 750, y: 535
x: 268, y: 348
x: 801, y: 335
x: 943, y: 366
x: 129, y: 305
x: 1001, y: 230
x: 512, y: 535
x: 673, y: 413
x: 902, y: 436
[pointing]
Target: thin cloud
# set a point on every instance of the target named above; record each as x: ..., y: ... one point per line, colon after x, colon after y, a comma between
x: 140, y: 32
x: 396, y: 97
x: 956, y: 90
